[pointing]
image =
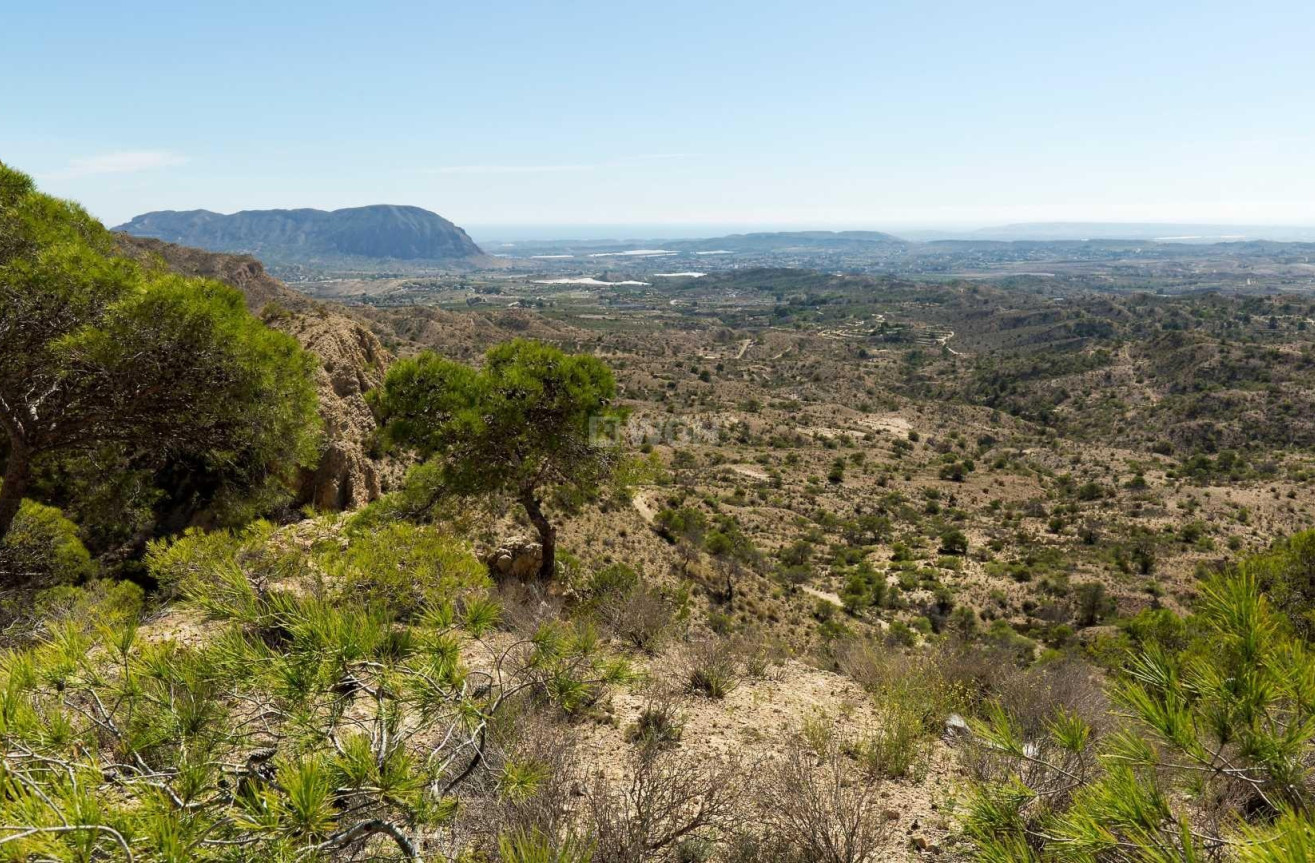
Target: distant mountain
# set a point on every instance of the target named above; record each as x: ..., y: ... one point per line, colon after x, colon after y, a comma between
x: 1164, y: 232
x: 382, y: 231
x: 788, y: 241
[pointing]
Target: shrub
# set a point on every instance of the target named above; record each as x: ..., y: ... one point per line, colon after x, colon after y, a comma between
x: 404, y: 568
x: 537, y: 847
x: 42, y: 549
x: 1092, y: 603
x: 713, y: 669
x: 669, y: 799
x: 954, y: 541
x: 660, y: 723
x: 1286, y: 574
x: 1220, y: 737
x: 643, y: 617
x: 821, y: 813
x: 864, y: 588
x: 900, y: 746
x: 901, y: 634
x: 185, y: 565
x: 613, y: 580
x: 118, y: 603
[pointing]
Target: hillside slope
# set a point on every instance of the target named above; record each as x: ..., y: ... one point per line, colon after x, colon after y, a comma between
x: 352, y: 360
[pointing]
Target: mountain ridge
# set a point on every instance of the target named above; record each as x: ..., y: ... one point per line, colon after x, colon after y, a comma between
x: 376, y: 231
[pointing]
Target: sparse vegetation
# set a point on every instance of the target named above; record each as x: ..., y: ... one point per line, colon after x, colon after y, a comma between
x: 851, y: 595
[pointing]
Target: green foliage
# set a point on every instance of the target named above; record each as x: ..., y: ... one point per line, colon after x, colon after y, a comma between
x: 164, y: 376
x: 1092, y: 603
x: 901, y: 746
x: 406, y: 568
x: 1221, y: 736
x: 685, y: 526
x: 533, y: 418
x: 864, y: 588
x: 536, y: 847
x: 324, y: 712
x: 714, y: 669
x: 659, y: 724
x: 186, y: 564
x: 118, y: 603
x: 42, y: 549
x: 1286, y: 575
x: 954, y: 541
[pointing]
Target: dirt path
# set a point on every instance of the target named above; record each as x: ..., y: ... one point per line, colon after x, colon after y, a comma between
x: 645, y: 511
x: 823, y: 595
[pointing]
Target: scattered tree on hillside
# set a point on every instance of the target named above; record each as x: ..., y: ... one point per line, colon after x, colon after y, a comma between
x: 686, y: 527
x: 732, y: 550
x: 522, y: 425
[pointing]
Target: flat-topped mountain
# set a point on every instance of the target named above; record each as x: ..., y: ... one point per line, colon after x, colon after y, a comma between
x: 381, y: 231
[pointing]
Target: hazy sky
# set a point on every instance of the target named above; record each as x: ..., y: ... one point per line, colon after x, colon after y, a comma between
x: 859, y: 114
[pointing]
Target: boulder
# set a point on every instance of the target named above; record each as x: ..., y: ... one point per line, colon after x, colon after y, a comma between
x: 956, y: 728
x: 515, y: 557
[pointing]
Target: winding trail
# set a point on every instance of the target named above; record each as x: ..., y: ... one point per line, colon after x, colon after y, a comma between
x: 823, y: 595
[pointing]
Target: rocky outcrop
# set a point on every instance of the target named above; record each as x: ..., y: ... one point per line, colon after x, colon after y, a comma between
x: 352, y: 361
x: 516, y: 557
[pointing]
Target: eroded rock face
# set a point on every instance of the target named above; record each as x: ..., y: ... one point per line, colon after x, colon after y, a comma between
x: 516, y: 557
x: 352, y: 361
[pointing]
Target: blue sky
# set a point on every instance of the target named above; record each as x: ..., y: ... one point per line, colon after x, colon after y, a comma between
x: 830, y: 114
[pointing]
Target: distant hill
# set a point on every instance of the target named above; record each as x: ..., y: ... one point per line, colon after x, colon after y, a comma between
x: 786, y: 240
x: 381, y: 231
x: 766, y: 242
x: 1159, y: 231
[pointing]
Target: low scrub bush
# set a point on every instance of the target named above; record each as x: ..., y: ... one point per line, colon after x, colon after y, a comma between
x: 329, y: 718
x: 713, y: 669
x: 823, y: 812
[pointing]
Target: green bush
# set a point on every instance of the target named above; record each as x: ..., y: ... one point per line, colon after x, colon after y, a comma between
x: 185, y: 565
x: 118, y: 602
x: 900, y: 747
x: 1219, y: 733
x: 42, y: 549
x: 405, y: 568
x: 954, y: 541
x: 534, y: 846
x: 1286, y: 574
x: 308, y: 721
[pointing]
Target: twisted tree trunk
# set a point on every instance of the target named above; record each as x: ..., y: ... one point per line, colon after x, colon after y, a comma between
x: 547, y: 533
x: 18, y: 472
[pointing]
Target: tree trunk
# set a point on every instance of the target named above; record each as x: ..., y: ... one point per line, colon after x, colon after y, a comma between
x: 547, y: 534
x: 17, y: 474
